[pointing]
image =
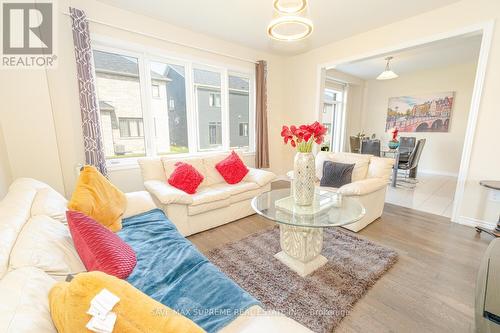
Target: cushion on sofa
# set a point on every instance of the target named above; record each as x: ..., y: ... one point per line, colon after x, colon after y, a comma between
x: 25, y: 301
x: 208, y: 194
x: 169, y: 163
x: 232, y: 168
x: 152, y: 169
x: 14, y: 212
x: 46, y: 244
x: 136, y: 312
x: 380, y: 167
x: 50, y: 203
x: 212, y: 175
x: 185, y: 177
x: 166, y: 193
x: 360, y: 162
x: 99, y: 248
x: 336, y: 174
x: 96, y: 197
x: 138, y: 202
x: 206, y: 207
x: 259, y: 176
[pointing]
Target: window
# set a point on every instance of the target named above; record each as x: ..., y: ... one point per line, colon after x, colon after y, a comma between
x: 243, y: 129
x: 119, y: 95
x: 171, y: 120
x: 239, y: 111
x: 214, y: 133
x: 214, y: 100
x: 131, y: 128
x: 175, y: 107
x: 155, y: 90
x: 207, y: 85
x: 332, y: 104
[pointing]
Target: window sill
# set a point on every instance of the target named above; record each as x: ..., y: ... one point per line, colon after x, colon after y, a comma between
x: 131, y: 163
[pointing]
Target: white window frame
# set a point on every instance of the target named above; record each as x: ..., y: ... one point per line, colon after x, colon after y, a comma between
x: 145, y: 56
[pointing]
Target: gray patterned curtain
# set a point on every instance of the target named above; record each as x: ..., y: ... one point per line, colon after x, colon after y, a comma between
x: 92, y: 140
x: 261, y: 130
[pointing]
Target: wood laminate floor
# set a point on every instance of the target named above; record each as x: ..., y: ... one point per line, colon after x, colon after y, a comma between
x: 430, y: 288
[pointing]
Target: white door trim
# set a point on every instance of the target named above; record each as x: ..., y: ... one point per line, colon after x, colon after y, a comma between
x: 486, y: 28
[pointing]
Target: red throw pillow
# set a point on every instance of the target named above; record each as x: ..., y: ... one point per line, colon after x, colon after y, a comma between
x: 232, y: 168
x: 185, y: 177
x: 99, y: 248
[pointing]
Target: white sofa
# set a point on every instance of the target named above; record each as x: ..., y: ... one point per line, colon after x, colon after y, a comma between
x: 369, y: 182
x: 36, y: 250
x: 215, y: 202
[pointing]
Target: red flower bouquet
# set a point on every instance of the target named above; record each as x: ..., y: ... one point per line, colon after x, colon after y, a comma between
x: 304, y: 136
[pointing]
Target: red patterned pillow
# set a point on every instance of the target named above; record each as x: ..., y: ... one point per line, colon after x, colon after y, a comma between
x: 185, y: 177
x: 232, y: 168
x: 99, y: 248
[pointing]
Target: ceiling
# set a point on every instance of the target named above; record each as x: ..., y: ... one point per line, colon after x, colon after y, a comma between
x: 245, y: 21
x: 448, y: 52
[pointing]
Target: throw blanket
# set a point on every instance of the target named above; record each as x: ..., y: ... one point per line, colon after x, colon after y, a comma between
x: 173, y: 272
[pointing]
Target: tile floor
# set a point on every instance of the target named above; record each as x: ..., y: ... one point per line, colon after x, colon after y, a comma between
x: 433, y: 194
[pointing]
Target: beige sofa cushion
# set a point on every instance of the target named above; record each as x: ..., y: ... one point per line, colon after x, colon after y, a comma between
x: 380, y: 167
x: 25, y: 302
x: 14, y: 212
x: 208, y: 194
x: 46, y: 244
x: 152, y: 169
x: 360, y: 168
x: 50, y: 203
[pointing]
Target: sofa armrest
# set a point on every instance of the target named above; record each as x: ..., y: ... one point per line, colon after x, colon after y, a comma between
x: 167, y: 194
x: 362, y: 187
x: 137, y: 203
x: 259, y: 176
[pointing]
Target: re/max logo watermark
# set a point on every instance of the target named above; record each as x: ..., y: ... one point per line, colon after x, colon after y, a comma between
x: 28, y: 35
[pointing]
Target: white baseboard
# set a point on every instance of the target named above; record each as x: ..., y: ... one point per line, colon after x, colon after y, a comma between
x: 472, y: 222
x: 437, y: 172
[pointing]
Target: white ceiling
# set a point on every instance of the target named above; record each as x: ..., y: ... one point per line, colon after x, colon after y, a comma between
x: 452, y: 51
x: 245, y: 21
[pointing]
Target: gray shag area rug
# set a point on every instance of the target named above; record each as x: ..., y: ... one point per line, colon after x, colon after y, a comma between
x: 318, y: 301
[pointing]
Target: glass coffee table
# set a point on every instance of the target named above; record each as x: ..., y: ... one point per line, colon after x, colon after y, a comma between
x: 301, y: 227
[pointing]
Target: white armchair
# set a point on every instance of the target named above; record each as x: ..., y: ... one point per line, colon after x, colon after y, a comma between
x: 369, y: 182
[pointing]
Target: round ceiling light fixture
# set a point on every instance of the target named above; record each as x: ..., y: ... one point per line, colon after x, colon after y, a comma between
x: 290, y: 6
x: 290, y: 28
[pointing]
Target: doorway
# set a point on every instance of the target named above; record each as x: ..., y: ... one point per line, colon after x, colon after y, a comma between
x: 422, y: 105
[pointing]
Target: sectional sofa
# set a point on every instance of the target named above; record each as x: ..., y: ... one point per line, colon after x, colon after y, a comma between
x: 36, y: 250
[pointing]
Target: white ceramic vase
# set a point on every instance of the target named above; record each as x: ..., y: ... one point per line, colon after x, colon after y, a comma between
x: 303, y: 179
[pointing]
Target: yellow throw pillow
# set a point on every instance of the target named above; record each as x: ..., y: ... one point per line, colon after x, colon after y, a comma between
x: 97, y: 198
x: 135, y: 312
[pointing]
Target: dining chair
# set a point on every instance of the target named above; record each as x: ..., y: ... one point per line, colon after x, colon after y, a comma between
x: 354, y: 142
x: 371, y: 147
x: 411, y: 164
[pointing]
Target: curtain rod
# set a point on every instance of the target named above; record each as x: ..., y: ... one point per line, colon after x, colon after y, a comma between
x: 167, y: 40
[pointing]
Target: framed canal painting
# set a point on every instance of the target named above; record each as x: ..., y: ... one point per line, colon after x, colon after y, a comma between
x: 420, y: 113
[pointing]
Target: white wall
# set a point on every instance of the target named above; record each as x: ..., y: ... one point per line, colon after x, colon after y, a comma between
x: 302, y: 83
x: 5, y: 177
x: 442, y: 151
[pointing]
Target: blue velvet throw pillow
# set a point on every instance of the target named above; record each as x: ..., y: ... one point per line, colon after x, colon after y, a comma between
x: 336, y: 174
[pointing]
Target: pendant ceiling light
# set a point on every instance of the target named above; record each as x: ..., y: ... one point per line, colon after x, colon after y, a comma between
x: 387, y: 74
x: 289, y: 26
x: 290, y: 6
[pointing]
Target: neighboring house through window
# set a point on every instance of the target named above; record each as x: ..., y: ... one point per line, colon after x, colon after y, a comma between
x: 150, y: 115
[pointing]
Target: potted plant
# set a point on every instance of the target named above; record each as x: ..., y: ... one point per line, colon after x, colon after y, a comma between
x: 303, y: 138
x: 394, y: 143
